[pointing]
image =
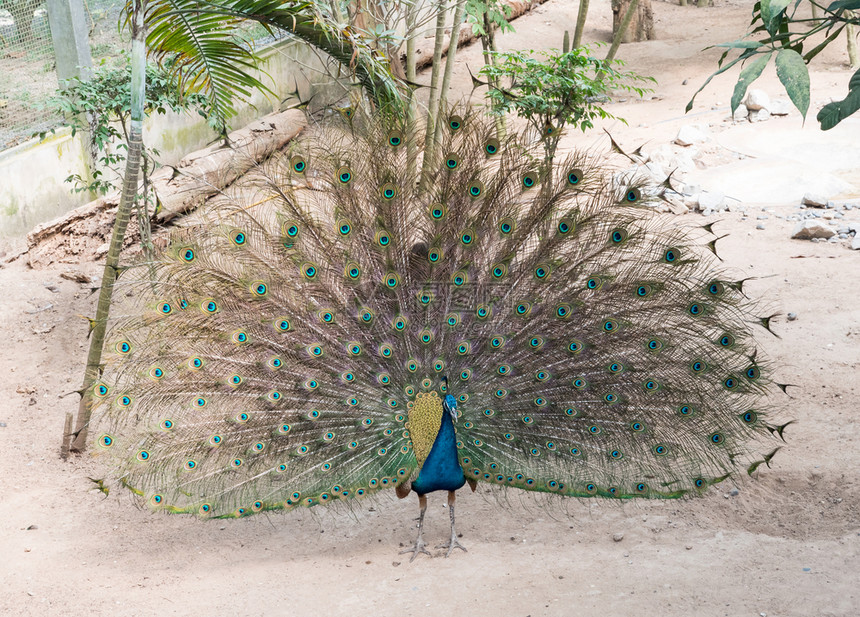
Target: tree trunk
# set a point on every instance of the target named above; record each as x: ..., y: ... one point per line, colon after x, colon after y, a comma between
x: 433, y: 104
x: 641, y: 26
x: 580, y: 23
x: 459, y: 9
x: 851, y: 33
x: 123, y: 213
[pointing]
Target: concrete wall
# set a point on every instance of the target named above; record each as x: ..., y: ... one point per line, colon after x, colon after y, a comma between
x: 32, y: 174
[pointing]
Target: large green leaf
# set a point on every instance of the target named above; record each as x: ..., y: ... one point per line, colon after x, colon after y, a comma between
x: 749, y: 74
x: 771, y: 13
x: 792, y: 72
x: 834, y: 113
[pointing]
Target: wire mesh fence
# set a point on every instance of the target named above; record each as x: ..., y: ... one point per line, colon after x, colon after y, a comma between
x: 28, y: 77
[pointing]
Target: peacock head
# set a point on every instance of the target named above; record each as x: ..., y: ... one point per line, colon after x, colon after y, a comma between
x: 450, y: 405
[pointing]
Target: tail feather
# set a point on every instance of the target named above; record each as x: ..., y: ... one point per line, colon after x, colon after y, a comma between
x: 269, y: 358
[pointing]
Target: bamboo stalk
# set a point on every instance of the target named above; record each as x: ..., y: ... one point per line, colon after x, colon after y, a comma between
x: 433, y: 105
x: 129, y: 192
x: 459, y: 9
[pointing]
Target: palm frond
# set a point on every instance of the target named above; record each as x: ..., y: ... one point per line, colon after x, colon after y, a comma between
x: 199, y: 41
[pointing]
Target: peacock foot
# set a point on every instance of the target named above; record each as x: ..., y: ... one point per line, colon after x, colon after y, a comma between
x: 418, y: 548
x: 451, y: 545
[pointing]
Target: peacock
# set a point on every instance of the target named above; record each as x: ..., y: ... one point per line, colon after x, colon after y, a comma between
x: 350, y: 322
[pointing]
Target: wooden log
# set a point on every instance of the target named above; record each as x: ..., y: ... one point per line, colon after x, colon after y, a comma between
x: 83, y: 233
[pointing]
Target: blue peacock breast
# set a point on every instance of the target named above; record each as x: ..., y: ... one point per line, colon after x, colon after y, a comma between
x: 441, y: 470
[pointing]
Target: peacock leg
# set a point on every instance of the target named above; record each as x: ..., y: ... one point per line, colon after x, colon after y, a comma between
x: 419, y: 541
x: 452, y: 543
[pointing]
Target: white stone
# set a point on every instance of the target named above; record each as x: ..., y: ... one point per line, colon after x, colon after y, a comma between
x: 691, y: 189
x: 656, y: 171
x: 740, y: 114
x: 827, y: 214
x: 855, y: 243
x: 682, y: 162
x: 816, y: 200
x: 779, y: 107
x: 812, y: 228
x: 759, y: 115
x: 734, y: 205
x: 757, y: 99
x: 689, y: 135
x: 661, y: 155
x: 715, y: 201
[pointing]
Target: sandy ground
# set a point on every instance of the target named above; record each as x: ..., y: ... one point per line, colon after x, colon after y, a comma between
x: 787, y: 544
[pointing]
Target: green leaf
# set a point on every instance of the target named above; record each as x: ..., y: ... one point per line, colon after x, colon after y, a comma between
x: 835, y: 112
x: 740, y: 44
x: 771, y: 11
x: 749, y: 74
x: 854, y: 82
x: 818, y: 48
x: 722, y: 69
x: 792, y: 72
x: 847, y: 5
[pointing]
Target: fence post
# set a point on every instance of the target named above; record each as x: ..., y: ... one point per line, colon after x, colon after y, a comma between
x: 70, y: 34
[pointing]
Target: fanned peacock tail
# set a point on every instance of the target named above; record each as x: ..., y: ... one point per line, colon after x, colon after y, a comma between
x: 273, y: 356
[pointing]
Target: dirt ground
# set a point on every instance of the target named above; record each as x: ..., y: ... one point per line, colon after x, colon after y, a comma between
x: 788, y: 543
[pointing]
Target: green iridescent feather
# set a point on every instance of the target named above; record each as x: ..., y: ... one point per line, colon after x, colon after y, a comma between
x: 269, y: 357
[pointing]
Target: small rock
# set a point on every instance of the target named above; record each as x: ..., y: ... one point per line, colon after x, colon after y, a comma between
x: 618, y: 537
x: 655, y: 170
x: 759, y: 115
x: 833, y: 240
x: 757, y: 99
x: 812, y: 229
x: 759, y: 226
x: 779, y: 107
x: 734, y: 205
x: 76, y: 275
x: 762, y: 217
x: 792, y: 316
x: 741, y: 113
x: 712, y: 201
x: 689, y: 547
x: 855, y: 243
x: 691, y: 189
x: 32, y: 527
x: 689, y: 135
x: 734, y: 492
x: 814, y: 200
x: 827, y: 215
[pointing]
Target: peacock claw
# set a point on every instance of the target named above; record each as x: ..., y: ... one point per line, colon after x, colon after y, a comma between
x: 451, y: 545
x: 418, y: 548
